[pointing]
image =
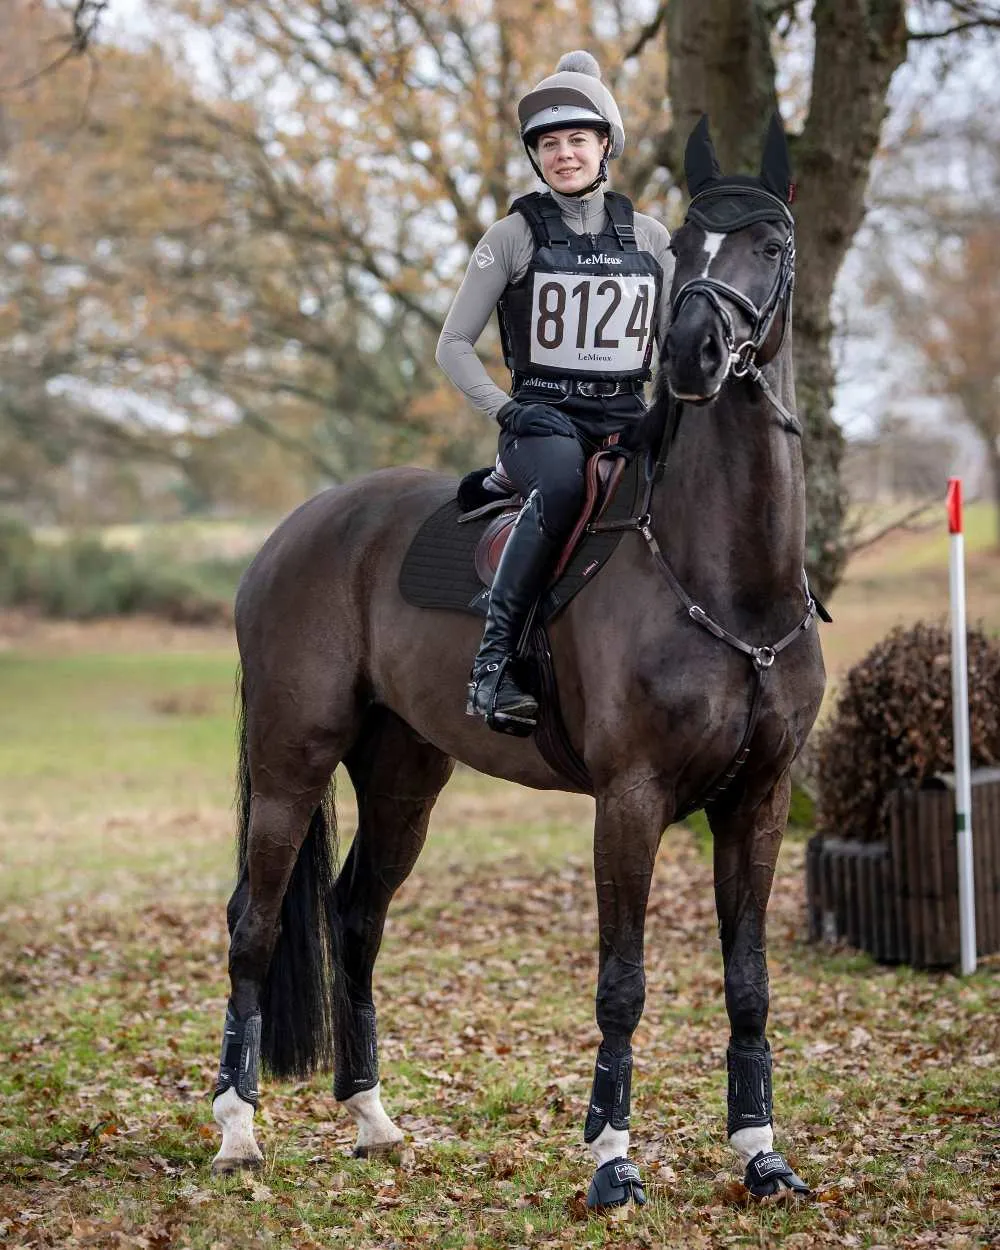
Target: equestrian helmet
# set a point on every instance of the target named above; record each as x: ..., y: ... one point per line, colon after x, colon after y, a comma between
x: 572, y: 97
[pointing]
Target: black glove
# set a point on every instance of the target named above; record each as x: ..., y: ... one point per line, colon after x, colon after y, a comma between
x: 536, y: 420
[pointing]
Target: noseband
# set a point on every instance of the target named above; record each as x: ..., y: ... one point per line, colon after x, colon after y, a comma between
x: 722, y: 210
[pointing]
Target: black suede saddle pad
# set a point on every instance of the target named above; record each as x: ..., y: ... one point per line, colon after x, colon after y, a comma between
x: 439, y: 571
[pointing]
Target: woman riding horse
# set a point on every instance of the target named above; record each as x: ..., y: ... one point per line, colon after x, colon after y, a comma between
x: 576, y: 276
x: 689, y: 673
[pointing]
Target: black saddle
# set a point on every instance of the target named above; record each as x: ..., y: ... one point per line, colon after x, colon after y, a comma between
x: 453, y: 557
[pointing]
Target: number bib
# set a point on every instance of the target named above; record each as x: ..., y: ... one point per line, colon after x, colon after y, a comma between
x: 592, y: 324
x: 586, y: 308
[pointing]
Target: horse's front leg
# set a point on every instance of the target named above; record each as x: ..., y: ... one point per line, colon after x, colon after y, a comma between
x: 747, y: 840
x: 631, y: 817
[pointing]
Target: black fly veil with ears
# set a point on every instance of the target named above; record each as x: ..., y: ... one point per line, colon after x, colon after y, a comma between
x: 721, y: 203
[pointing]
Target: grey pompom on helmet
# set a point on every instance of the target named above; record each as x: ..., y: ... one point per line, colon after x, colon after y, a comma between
x: 573, y: 96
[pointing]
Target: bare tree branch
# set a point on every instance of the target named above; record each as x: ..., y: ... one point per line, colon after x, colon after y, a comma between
x: 904, y: 522
x: 983, y: 23
x: 648, y: 32
x: 962, y: 15
x: 84, y: 22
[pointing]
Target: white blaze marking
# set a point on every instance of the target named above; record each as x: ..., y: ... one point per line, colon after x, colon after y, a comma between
x: 712, y: 244
x: 374, y: 1126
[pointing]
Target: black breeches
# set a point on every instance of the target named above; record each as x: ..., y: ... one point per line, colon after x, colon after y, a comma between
x: 554, y: 465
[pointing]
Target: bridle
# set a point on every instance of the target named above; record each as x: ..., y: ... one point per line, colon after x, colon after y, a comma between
x: 742, y: 363
x: 742, y: 357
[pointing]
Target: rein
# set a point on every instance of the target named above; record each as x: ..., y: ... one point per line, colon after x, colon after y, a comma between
x: 742, y: 364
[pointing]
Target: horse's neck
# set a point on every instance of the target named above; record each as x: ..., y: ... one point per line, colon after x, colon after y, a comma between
x: 729, y: 509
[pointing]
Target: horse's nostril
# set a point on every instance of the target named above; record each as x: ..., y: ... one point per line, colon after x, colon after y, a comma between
x: 711, y: 353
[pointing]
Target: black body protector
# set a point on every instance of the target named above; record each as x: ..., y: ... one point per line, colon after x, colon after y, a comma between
x: 586, y: 309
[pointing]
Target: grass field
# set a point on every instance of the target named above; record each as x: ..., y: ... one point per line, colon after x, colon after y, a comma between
x: 115, y: 846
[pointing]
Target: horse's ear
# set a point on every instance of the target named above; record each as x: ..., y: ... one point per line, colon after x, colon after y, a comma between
x: 700, y: 164
x: 776, y: 167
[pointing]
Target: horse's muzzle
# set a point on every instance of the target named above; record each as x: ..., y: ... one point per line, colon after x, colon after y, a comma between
x: 696, y: 358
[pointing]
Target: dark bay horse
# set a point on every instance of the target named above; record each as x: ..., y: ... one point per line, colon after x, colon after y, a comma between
x: 691, y: 652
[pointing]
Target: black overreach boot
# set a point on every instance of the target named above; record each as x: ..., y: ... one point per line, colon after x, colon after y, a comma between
x: 521, y: 577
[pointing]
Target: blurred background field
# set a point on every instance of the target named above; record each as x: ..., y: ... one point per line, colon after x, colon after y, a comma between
x: 116, y: 720
x: 186, y: 572
x: 904, y: 578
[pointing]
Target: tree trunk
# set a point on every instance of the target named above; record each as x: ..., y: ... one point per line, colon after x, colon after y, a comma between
x: 859, y: 45
x: 720, y: 63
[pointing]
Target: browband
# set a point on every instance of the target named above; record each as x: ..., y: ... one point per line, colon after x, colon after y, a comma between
x: 732, y: 206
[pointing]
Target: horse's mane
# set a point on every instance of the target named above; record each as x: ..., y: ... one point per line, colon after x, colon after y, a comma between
x: 658, y: 427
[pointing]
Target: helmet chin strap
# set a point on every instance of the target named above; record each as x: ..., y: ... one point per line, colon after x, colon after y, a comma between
x: 602, y: 176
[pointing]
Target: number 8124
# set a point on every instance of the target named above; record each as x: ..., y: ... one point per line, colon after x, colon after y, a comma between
x: 594, y: 306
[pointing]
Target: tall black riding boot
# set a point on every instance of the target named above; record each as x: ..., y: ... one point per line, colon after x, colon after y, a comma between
x: 522, y: 574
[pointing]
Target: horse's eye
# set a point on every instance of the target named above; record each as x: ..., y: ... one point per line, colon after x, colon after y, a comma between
x: 772, y: 251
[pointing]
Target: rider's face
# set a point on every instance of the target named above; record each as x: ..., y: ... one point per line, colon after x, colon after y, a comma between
x: 570, y: 159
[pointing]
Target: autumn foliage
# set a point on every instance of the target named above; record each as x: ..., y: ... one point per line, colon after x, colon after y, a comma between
x: 892, y: 726
x: 248, y: 233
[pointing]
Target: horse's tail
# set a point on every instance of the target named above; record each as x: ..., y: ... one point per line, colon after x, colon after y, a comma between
x: 297, y: 998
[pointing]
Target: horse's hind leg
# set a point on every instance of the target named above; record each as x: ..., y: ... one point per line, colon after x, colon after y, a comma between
x: 397, y: 777
x: 279, y: 1008
x: 747, y: 840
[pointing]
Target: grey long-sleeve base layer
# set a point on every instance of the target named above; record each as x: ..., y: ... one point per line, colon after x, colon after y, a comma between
x: 502, y: 257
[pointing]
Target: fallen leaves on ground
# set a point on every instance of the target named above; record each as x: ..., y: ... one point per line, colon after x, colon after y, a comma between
x: 110, y: 1020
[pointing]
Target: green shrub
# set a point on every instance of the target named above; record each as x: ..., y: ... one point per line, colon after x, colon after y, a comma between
x: 802, y: 810
x: 82, y: 579
x: 17, y: 553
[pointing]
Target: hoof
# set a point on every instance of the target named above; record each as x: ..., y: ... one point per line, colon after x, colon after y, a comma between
x: 783, y: 1198
x: 228, y: 1167
x: 616, y: 1184
x: 769, y: 1179
x: 378, y: 1150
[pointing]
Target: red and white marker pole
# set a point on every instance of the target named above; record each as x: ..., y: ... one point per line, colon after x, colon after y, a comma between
x: 960, y: 710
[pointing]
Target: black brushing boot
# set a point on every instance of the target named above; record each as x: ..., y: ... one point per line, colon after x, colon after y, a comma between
x: 521, y: 577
